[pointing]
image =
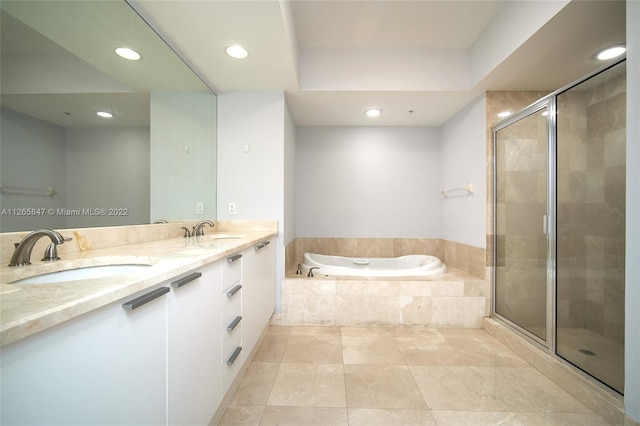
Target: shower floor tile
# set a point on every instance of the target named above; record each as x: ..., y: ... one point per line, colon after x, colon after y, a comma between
x: 395, y: 376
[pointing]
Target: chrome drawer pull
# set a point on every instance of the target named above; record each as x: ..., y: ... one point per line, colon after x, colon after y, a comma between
x: 262, y: 245
x: 233, y: 258
x: 234, y: 355
x: 234, y: 290
x: 234, y: 323
x: 145, y: 298
x: 186, y: 280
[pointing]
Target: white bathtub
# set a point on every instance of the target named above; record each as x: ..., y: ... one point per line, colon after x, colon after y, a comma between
x: 414, y: 265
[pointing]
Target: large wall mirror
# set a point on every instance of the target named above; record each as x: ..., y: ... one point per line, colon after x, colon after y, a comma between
x: 64, y: 166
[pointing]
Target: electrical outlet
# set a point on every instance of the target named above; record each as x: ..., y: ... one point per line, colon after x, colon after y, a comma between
x: 199, y: 207
x: 232, y: 208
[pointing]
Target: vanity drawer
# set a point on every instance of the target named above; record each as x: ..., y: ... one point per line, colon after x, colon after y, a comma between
x: 231, y: 271
x: 231, y: 337
x: 230, y: 367
x: 230, y: 307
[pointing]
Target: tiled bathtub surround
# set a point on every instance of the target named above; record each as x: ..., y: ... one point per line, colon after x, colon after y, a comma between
x: 455, y: 255
x: 459, y: 298
x: 452, y: 300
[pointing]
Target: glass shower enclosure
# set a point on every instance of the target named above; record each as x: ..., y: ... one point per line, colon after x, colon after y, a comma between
x: 559, y: 223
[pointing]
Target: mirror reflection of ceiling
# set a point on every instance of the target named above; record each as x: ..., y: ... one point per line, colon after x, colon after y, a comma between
x: 59, y: 64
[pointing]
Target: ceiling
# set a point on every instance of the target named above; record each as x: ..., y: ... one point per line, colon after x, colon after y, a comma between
x: 419, y: 61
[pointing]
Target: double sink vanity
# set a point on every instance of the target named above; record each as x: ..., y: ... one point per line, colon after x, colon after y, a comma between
x: 152, y: 331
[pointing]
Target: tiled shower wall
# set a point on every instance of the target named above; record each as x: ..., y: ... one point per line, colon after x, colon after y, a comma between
x: 455, y: 255
x: 591, y: 208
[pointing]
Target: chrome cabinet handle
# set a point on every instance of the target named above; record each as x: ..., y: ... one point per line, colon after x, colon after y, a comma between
x: 233, y: 258
x: 186, y: 280
x: 145, y: 298
x: 262, y: 245
x: 234, y: 323
x: 234, y: 355
x: 234, y: 290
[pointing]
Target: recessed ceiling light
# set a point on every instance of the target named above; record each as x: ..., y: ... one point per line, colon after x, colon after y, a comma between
x: 104, y: 114
x: 373, y: 112
x: 611, y: 52
x: 237, y: 51
x: 126, y: 53
x: 504, y: 114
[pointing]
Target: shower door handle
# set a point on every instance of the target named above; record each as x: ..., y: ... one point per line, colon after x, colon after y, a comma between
x: 545, y: 224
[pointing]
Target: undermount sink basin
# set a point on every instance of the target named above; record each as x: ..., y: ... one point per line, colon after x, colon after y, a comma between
x: 220, y: 236
x: 85, y: 273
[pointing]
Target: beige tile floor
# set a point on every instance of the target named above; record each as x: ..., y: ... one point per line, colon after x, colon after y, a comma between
x: 395, y: 376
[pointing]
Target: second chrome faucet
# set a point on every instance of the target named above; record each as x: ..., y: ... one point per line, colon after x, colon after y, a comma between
x: 199, y: 228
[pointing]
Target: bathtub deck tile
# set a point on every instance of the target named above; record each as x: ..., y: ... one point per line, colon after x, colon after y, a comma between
x: 448, y: 312
x: 449, y: 301
x: 450, y: 288
x: 292, y: 309
x: 476, y: 288
x: 320, y: 287
x: 319, y: 309
x: 416, y: 313
x: 290, y: 286
x: 353, y: 287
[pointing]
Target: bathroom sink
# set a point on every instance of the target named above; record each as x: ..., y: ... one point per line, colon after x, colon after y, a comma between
x: 86, y: 273
x: 220, y: 236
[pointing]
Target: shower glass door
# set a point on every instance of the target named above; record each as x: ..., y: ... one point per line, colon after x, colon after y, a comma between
x: 521, y: 225
x: 591, y: 225
x: 559, y: 223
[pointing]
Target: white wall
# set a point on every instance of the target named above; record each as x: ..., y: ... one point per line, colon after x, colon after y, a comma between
x: 32, y: 157
x: 107, y: 168
x: 632, y: 277
x: 367, y: 182
x: 289, y: 178
x: 251, y: 167
x: 463, y: 161
x: 183, y: 149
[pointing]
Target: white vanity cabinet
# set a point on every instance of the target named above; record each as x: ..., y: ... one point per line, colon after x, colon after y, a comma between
x: 193, y: 345
x: 105, y: 367
x: 167, y: 355
x: 259, y: 291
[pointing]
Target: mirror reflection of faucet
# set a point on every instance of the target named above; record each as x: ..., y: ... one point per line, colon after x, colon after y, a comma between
x: 187, y: 233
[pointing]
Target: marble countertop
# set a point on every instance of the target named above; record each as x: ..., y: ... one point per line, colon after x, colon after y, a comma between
x: 30, y: 308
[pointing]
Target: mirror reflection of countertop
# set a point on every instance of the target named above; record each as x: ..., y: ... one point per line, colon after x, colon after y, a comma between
x: 29, y: 308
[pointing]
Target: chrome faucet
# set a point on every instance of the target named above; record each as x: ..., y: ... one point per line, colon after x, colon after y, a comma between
x: 198, y: 229
x: 22, y: 254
